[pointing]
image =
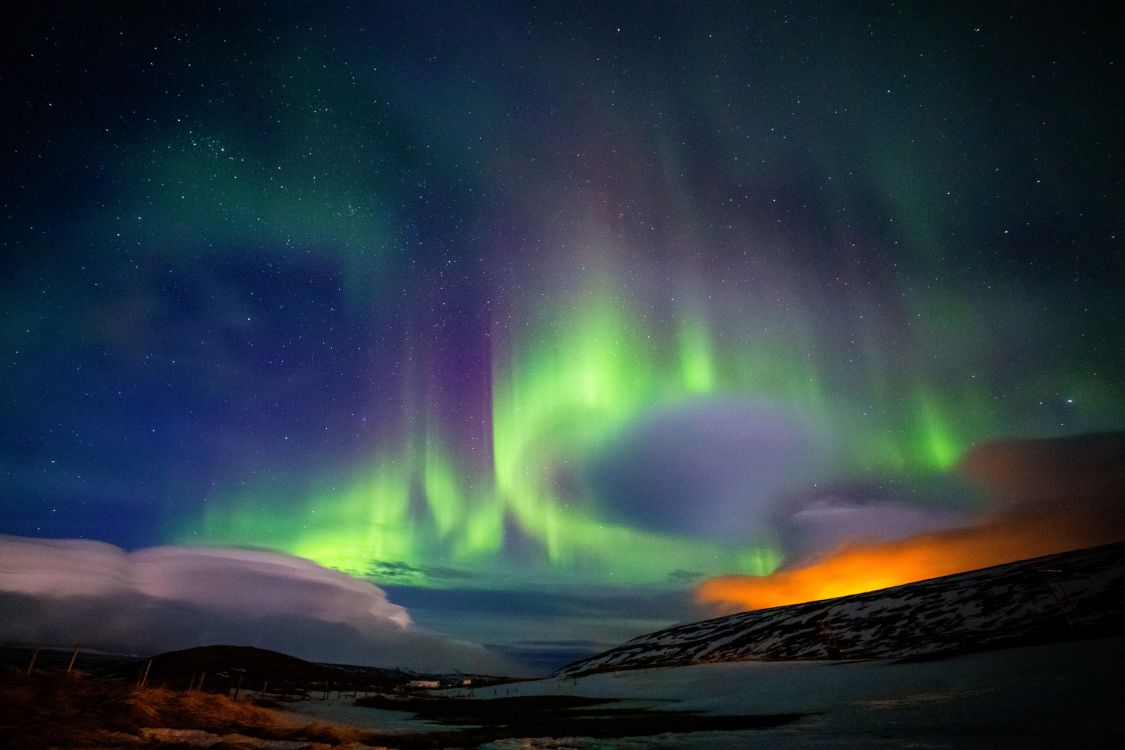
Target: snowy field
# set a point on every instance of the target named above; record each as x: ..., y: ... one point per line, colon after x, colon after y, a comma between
x: 1061, y: 695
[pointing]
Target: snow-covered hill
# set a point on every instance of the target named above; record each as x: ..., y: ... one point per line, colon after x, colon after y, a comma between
x: 1056, y: 597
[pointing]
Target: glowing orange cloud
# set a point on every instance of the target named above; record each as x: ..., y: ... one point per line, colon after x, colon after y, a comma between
x: 855, y: 569
x: 1054, y: 497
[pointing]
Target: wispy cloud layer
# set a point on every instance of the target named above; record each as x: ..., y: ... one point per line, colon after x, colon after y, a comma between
x: 163, y: 598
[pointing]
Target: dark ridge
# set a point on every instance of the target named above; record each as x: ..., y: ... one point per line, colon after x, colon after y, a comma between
x: 221, y: 667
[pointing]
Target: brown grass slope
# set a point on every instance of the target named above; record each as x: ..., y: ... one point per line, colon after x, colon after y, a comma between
x: 74, y: 711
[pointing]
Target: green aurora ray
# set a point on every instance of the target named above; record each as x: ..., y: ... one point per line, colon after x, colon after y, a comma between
x: 379, y: 286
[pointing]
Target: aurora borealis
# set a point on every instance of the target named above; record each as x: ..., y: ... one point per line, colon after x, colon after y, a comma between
x: 514, y: 308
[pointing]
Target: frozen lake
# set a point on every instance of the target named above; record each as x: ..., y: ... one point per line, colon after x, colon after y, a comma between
x: 1066, y: 694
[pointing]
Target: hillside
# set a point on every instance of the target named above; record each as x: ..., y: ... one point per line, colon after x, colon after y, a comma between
x: 1057, y: 597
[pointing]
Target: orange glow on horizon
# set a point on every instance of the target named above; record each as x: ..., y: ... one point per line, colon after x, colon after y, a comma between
x: 854, y: 569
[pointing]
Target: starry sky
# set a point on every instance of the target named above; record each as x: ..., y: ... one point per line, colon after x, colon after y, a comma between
x: 537, y: 314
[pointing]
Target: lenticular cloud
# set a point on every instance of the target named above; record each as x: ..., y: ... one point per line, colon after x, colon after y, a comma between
x: 64, y: 591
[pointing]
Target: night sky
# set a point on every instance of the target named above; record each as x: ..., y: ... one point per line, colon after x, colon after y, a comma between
x: 536, y: 315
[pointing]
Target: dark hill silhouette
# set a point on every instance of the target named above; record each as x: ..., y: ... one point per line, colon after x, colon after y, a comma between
x: 221, y: 667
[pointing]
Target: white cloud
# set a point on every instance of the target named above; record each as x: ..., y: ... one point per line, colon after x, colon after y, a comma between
x: 55, y: 592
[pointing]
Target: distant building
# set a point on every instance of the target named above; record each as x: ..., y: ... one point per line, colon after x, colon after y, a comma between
x: 423, y: 684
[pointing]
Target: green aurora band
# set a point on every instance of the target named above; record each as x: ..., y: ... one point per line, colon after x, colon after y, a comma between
x: 897, y: 384
x: 580, y: 374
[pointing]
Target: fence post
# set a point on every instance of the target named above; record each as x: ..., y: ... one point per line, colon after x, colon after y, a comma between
x: 1061, y: 596
x: 73, y: 658
x: 828, y: 635
x: 31, y: 664
x: 239, y: 685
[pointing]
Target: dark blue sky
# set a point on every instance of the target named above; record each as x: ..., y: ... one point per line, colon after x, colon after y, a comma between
x: 444, y: 288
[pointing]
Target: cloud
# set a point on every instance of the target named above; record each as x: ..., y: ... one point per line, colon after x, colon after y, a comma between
x: 405, y: 573
x: 713, y: 467
x: 823, y: 518
x: 164, y: 598
x: 684, y: 576
x: 1023, y: 475
x: 1046, y: 496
